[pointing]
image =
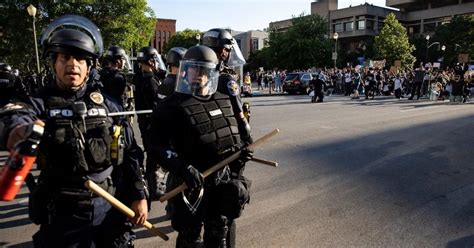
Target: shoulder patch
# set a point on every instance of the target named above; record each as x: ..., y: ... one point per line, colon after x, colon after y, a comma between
x: 96, y: 97
x: 233, y: 88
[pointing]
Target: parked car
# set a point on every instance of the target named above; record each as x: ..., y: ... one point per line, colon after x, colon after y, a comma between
x: 298, y: 82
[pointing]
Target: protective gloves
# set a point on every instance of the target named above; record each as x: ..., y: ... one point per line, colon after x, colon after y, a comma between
x: 246, y: 154
x: 192, y: 177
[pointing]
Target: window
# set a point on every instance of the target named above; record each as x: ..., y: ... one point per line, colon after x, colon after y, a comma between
x: 338, y: 28
x: 369, y: 24
x: 429, y: 27
x: 361, y: 24
x: 253, y: 44
x: 306, y: 77
x: 349, y: 26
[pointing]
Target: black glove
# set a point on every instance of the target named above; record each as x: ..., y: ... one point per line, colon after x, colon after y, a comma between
x: 192, y: 177
x: 246, y: 154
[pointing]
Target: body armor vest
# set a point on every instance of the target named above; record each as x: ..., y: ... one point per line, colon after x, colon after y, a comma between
x: 75, y: 145
x: 214, y: 127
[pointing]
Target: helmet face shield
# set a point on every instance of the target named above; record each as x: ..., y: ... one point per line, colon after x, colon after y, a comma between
x: 78, y: 23
x: 159, y: 64
x: 236, y: 58
x: 197, y: 78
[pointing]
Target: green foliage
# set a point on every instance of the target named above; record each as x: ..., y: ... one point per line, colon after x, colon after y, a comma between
x: 185, y: 38
x: 303, y: 45
x: 128, y: 24
x: 459, y: 31
x: 392, y: 43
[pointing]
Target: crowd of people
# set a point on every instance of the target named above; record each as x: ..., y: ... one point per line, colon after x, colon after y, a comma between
x: 191, y: 118
x: 437, y: 84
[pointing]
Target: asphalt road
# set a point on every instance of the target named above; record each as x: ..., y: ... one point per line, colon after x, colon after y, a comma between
x: 376, y: 173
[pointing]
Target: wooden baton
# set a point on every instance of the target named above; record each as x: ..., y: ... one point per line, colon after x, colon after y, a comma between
x: 218, y: 166
x: 120, y: 206
x: 264, y: 161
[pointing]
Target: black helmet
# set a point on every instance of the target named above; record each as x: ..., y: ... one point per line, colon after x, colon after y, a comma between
x: 72, y: 34
x: 174, y: 55
x: 217, y: 38
x: 70, y: 41
x: 201, y: 54
x: 115, y: 52
x: 147, y: 53
x: 5, y: 68
x: 7, y: 79
x: 197, y: 62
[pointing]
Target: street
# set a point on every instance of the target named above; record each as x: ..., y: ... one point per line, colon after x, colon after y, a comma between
x: 352, y: 173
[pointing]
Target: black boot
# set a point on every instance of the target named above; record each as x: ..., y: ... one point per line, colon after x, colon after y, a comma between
x: 189, y: 239
x: 215, y: 232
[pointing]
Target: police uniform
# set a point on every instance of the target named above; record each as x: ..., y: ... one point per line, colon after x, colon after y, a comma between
x: 114, y: 85
x: 69, y: 154
x: 218, y: 39
x: 188, y: 135
x: 80, y: 142
x: 146, y: 97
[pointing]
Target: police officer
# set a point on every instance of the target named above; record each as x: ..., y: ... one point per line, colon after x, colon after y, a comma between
x: 369, y: 84
x: 7, y: 84
x: 173, y: 57
x: 146, y: 92
x: 112, y: 76
x: 190, y: 131
x: 228, y: 52
x: 318, y: 86
x: 76, y: 146
x: 417, y: 83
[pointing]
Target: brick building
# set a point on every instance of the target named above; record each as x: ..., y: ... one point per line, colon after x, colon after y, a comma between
x: 164, y: 29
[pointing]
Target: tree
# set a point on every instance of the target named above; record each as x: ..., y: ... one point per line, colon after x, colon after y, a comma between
x: 457, y: 36
x: 128, y: 24
x: 392, y: 43
x: 303, y: 45
x: 185, y: 38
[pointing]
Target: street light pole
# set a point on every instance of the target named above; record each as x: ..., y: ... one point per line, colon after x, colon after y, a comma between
x: 427, y: 47
x: 32, y: 12
x: 335, y: 36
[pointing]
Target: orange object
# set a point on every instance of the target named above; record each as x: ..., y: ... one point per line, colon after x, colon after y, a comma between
x: 19, y: 163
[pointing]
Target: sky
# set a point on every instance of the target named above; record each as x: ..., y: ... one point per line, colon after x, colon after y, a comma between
x: 239, y: 15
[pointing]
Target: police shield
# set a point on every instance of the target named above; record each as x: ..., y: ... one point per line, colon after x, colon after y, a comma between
x: 76, y: 22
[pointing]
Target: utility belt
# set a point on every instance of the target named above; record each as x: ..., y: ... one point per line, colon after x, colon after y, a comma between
x: 75, y: 194
x: 47, y: 202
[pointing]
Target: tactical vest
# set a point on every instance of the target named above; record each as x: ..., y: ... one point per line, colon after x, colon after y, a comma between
x: 70, y: 149
x: 213, y: 124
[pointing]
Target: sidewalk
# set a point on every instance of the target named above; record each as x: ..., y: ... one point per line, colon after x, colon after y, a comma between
x: 265, y: 92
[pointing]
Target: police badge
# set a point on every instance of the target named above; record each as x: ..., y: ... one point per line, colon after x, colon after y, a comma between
x: 96, y: 97
x: 233, y: 88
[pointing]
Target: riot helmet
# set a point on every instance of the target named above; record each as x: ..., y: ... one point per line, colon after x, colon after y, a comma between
x: 73, y: 35
x: 5, y: 68
x: 149, y: 53
x: 217, y: 38
x: 174, y: 55
x: 7, y: 79
x: 117, y: 54
x: 222, y: 42
x: 198, y: 72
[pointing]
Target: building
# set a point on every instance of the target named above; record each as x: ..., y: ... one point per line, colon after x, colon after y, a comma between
x: 355, y: 25
x: 250, y: 41
x: 164, y: 29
